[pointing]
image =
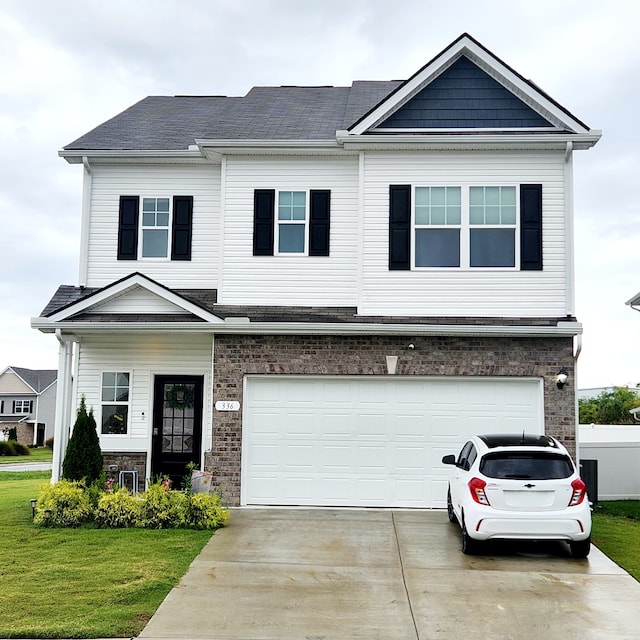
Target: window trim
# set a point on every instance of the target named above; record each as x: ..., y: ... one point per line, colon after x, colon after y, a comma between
x: 126, y: 403
x: 278, y: 222
x: 465, y: 228
x: 29, y: 409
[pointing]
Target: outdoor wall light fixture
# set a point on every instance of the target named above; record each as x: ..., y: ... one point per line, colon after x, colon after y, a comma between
x: 561, y: 378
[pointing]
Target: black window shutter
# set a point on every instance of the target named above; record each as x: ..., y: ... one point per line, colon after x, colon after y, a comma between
x: 531, y: 227
x: 182, y: 227
x: 263, y: 221
x: 128, y: 228
x: 319, y: 222
x: 399, y: 227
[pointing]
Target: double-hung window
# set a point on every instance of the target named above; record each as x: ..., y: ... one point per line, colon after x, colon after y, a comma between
x: 492, y: 226
x: 155, y: 227
x: 438, y: 218
x: 464, y: 227
x: 115, y: 402
x: 292, y: 221
x: 22, y: 406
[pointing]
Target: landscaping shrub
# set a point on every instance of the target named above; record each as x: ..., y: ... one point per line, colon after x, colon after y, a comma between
x: 13, y: 433
x: 204, y: 511
x: 63, y: 504
x: 83, y: 458
x: 160, y: 507
x: 117, y: 510
x: 49, y: 443
x: 6, y: 448
x: 20, y: 449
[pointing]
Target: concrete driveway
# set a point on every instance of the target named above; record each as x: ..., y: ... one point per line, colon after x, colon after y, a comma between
x: 318, y: 574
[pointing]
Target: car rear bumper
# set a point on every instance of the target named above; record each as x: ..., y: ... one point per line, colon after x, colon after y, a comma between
x: 531, y: 526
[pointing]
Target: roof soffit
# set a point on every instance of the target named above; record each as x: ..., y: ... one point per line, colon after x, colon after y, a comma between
x: 522, y: 89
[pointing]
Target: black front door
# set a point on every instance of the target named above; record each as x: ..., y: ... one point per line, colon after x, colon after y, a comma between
x: 177, y: 426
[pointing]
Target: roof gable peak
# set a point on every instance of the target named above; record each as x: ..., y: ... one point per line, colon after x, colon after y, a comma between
x: 492, y: 96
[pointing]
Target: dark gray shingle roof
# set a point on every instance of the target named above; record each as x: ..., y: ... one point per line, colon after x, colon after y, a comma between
x: 37, y: 379
x: 206, y: 299
x: 265, y: 113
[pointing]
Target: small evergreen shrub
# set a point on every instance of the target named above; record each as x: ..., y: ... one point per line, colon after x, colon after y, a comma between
x: 49, y: 443
x: 83, y: 458
x: 117, y: 510
x: 13, y: 434
x: 63, y: 504
x: 6, y: 448
x: 20, y: 449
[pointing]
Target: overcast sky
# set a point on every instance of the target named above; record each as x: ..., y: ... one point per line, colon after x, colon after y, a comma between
x: 66, y: 66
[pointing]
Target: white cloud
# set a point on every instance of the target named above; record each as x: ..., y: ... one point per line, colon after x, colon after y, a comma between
x: 68, y: 66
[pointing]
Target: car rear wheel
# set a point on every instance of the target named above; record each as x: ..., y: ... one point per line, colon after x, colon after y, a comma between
x: 450, y: 511
x: 469, y: 545
x: 580, y: 548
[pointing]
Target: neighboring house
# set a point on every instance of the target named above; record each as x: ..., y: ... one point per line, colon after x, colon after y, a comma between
x: 28, y: 403
x: 316, y: 292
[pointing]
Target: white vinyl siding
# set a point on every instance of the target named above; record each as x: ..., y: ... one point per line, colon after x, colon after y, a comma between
x: 290, y: 279
x: 137, y: 301
x: 109, y: 182
x: 143, y: 356
x: 457, y: 292
x: 370, y: 441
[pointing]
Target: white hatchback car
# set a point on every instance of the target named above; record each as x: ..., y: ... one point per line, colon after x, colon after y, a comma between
x: 518, y: 487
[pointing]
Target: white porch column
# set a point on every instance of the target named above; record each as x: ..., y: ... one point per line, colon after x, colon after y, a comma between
x: 62, y: 424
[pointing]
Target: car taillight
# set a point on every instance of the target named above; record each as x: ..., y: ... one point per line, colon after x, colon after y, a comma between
x: 476, y: 486
x: 579, y: 492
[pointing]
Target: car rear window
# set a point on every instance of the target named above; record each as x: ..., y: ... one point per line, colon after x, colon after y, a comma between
x: 526, y: 465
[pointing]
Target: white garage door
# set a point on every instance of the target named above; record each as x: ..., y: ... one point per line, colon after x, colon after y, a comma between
x: 344, y: 441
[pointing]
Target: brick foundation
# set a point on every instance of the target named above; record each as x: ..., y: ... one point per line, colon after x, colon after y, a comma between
x: 126, y: 461
x: 237, y: 356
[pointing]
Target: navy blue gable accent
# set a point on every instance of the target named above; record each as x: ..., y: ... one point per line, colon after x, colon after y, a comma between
x: 464, y: 97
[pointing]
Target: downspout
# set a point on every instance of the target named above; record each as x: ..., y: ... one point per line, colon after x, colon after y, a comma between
x: 569, y: 230
x: 87, y: 185
x: 63, y: 404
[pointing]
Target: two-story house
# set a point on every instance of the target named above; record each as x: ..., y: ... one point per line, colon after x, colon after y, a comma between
x: 28, y: 403
x: 316, y: 292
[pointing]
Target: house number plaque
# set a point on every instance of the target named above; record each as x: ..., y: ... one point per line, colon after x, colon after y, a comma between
x: 227, y: 405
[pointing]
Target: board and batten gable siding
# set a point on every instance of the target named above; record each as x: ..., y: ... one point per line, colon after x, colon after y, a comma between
x: 460, y: 292
x: 290, y: 279
x: 143, y: 356
x: 109, y: 182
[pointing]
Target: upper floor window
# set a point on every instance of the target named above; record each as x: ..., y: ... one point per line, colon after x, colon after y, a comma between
x: 165, y: 228
x: 114, y: 402
x: 292, y: 221
x: 22, y: 406
x: 155, y: 227
x: 467, y: 227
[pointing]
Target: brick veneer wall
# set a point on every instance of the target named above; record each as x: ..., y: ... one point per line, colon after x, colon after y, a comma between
x: 237, y: 356
x: 126, y: 461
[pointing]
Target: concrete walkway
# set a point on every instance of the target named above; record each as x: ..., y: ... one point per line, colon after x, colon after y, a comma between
x: 285, y: 574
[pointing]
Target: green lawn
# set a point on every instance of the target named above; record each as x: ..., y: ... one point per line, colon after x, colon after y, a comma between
x: 616, y: 532
x: 41, y: 454
x: 82, y: 583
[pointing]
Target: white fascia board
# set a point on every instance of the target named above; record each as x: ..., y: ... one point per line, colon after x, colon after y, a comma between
x: 216, y: 149
x: 561, y: 330
x: 427, y: 140
x: 488, y: 63
x: 73, y: 156
x: 122, y: 287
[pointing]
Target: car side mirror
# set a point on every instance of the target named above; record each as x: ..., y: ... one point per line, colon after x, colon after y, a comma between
x: 450, y: 459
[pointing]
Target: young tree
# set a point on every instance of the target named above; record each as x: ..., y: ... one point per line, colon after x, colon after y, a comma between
x: 83, y: 458
x: 610, y: 407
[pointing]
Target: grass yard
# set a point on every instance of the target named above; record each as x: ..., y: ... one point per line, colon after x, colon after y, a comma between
x: 41, y: 454
x: 616, y: 532
x: 82, y: 583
